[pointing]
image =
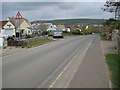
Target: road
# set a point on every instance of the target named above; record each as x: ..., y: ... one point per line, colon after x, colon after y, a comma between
x: 47, y: 66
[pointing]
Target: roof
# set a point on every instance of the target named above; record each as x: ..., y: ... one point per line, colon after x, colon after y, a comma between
x: 2, y: 23
x: 61, y: 26
x: 17, y: 22
x: 48, y: 24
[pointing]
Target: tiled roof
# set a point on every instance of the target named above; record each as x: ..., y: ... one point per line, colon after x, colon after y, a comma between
x: 61, y: 26
x: 17, y: 22
x: 2, y: 23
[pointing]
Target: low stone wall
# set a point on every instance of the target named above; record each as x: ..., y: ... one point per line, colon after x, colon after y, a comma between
x: 35, y: 38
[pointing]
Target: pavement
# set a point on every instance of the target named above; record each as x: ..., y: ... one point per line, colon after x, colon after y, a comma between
x: 109, y: 47
x: 74, y: 62
x: 11, y: 50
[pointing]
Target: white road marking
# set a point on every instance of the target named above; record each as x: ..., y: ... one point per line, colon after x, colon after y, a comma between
x: 76, y: 56
x: 110, y: 84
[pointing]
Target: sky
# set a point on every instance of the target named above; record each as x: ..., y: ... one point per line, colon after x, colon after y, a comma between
x: 55, y: 10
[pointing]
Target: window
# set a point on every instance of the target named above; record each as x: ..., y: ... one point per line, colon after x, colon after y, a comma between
x: 9, y: 25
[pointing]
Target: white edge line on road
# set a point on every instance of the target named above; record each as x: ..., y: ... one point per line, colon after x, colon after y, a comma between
x: 78, y: 63
x: 51, y: 85
x: 106, y: 66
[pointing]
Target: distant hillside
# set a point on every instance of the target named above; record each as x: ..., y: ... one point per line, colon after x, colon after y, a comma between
x: 72, y: 21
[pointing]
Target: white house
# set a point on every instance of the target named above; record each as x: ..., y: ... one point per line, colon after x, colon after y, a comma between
x: 50, y: 27
x: 68, y: 30
x: 7, y: 29
x: 1, y: 40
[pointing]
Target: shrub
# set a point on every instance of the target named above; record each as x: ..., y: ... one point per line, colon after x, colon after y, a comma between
x: 64, y: 31
x: 76, y: 32
x: 50, y: 34
x: 44, y: 32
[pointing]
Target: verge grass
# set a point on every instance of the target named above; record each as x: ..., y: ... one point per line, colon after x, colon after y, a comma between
x: 113, y: 62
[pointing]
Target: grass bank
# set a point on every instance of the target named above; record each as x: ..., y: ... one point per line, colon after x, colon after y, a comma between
x: 39, y: 42
x: 113, y: 62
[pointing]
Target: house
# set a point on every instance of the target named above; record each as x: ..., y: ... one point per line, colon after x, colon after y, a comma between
x: 68, y: 30
x: 50, y: 27
x: 44, y: 26
x: 22, y: 26
x: 7, y: 29
x: 1, y: 40
x: 61, y: 27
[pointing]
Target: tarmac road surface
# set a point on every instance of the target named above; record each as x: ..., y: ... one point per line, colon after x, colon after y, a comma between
x: 56, y: 65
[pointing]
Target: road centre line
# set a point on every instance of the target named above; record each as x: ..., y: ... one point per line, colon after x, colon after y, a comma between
x: 75, y: 57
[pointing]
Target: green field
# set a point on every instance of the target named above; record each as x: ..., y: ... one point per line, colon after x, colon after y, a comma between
x: 72, y: 21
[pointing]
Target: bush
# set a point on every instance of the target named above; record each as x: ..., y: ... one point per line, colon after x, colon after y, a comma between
x: 50, y: 34
x: 103, y: 34
x: 44, y: 32
x: 76, y: 32
x: 64, y: 31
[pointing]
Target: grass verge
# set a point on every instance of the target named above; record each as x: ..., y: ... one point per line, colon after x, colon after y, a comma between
x: 113, y: 62
x: 39, y: 42
x: 103, y: 38
x: 70, y: 34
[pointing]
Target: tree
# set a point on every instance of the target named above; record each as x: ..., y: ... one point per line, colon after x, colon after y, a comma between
x: 113, y: 6
x: 109, y: 22
x: 42, y: 27
x: 88, y: 30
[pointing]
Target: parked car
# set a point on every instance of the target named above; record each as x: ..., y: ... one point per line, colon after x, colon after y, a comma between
x: 58, y: 33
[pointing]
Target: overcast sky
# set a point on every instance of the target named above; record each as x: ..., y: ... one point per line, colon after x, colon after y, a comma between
x: 55, y: 10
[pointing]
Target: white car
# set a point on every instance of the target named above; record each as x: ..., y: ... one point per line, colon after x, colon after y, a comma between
x: 58, y: 33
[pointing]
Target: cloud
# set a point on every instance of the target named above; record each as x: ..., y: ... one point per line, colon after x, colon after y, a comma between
x: 54, y: 10
x: 54, y: 1
x: 68, y: 5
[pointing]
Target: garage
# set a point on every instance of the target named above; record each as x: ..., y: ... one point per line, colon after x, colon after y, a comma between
x: 9, y: 32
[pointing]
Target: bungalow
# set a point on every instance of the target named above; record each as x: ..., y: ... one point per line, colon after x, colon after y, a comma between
x: 44, y: 26
x: 7, y: 29
x: 21, y: 26
x: 50, y: 27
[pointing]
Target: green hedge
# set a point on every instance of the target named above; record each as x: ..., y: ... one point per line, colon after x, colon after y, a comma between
x: 76, y: 32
